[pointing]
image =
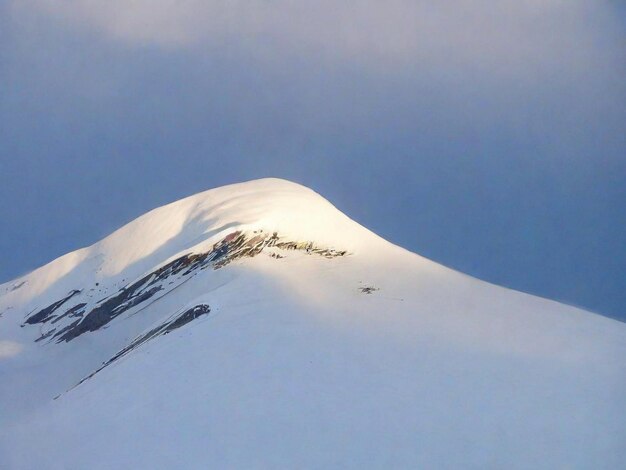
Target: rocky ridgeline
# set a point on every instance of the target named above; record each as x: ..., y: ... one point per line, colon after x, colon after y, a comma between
x: 68, y: 317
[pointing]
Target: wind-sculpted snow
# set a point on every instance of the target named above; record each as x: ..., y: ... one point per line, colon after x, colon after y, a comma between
x: 73, y: 321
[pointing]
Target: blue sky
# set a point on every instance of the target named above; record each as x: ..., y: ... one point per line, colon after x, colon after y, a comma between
x: 488, y: 136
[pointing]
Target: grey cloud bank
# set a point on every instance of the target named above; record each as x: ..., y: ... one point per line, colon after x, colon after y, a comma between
x: 488, y: 136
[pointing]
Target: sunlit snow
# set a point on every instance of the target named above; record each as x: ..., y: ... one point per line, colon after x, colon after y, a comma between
x: 278, y: 333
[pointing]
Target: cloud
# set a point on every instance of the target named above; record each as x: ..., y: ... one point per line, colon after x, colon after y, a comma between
x: 499, y: 34
x: 9, y: 349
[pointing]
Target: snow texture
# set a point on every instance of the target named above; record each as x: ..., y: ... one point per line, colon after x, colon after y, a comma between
x: 256, y: 326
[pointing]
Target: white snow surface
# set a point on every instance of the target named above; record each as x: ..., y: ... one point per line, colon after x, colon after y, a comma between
x: 295, y: 366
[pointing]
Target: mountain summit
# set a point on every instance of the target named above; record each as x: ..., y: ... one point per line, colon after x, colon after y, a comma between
x: 256, y: 326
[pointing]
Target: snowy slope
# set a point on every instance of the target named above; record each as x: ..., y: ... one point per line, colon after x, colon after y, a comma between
x: 255, y: 326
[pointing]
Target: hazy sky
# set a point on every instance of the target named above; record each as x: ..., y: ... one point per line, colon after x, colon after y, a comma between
x: 487, y: 135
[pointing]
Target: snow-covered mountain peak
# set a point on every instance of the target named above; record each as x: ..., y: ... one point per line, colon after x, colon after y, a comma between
x: 256, y: 326
x: 191, y: 225
x: 271, y: 204
x: 147, y: 259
